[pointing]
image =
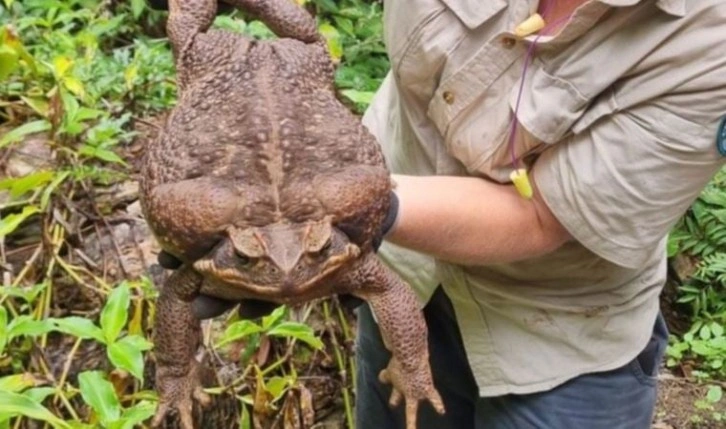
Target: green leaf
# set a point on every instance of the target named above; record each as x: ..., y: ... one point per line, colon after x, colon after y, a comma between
x: 15, y: 404
x: 273, y: 318
x: 115, y: 312
x: 127, y: 354
x: 362, y: 97
x: 226, y: 22
x: 704, y: 332
x: 74, y: 85
x: 104, y: 26
x: 345, y: 25
x: 18, y: 133
x: 702, y: 349
x: 132, y: 417
x: 137, y: 8
x: 259, y: 30
x: 298, y: 331
x: 714, y: 394
x: 245, y: 420
x: 100, y: 395
x: 11, y: 222
x: 39, y: 394
x: 40, y: 105
x: 673, y: 245
x: 84, y: 114
x: 9, y: 61
x: 70, y: 104
x: 718, y: 343
x: 26, y: 293
x: 62, y: 65
x: 59, y: 178
x: 26, y: 325
x: 21, y: 185
x: 238, y: 330
x: 332, y: 36
x: 17, y: 382
x: 328, y: 5
x: 3, y: 329
x: 275, y: 386
x: 79, y: 327
x: 130, y: 75
x: 716, y: 329
x: 101, y: 153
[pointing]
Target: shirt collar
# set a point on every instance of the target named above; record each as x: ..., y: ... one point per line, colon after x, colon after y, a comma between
x: 474, y: 12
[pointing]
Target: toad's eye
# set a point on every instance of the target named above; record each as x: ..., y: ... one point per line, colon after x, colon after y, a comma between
x: 242, y: 259
x: 326, y: 247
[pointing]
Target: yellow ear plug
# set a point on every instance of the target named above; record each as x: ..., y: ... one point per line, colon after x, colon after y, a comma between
x: 530, y: 25
x: 521, y: 181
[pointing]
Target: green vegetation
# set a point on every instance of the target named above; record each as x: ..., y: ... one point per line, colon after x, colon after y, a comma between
x: 81, y: 83
x: 699, y: 243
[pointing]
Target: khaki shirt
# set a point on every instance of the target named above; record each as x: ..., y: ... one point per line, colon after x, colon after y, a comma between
x: 618, y: 124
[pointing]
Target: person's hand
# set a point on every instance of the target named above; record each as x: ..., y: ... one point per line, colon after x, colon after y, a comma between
x: 389, y: 222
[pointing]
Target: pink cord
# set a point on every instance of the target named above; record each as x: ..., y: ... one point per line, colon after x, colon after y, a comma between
x: 527, y: 59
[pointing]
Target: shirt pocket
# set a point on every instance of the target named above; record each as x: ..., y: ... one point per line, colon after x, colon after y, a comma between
x: 421, y: 34
x: 477, y: 134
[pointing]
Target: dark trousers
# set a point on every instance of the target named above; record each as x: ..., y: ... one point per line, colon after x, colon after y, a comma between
x: 623, y: 398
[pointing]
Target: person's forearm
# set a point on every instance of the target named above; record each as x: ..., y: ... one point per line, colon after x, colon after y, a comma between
x: 468, y: 220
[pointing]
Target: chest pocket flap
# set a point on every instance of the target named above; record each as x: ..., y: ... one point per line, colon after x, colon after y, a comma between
x: 474, y: 12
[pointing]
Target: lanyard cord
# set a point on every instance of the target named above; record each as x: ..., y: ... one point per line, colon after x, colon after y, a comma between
x: 527, y: 59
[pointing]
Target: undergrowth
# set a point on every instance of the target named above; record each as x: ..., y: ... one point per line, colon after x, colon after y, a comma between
x: 699, y: 239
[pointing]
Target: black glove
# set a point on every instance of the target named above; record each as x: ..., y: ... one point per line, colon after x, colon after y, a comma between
x: 158, y: 4
x: 388, y: 222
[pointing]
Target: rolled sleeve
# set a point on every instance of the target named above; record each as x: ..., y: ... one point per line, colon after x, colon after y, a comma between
x: 619, y: 186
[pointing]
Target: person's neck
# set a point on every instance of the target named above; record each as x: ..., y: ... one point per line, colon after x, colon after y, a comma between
x: 556, y: 12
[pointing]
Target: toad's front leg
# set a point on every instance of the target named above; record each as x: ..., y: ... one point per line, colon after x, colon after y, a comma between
x: 404, y: 333
x: 177, y: 334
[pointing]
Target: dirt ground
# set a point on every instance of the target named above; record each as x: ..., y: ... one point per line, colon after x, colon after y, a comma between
x: 676, y: 409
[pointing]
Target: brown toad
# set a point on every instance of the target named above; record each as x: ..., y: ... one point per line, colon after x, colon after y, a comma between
x: 266, y: 187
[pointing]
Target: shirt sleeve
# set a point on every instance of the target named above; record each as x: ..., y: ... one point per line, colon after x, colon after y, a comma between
x: 619, y: 186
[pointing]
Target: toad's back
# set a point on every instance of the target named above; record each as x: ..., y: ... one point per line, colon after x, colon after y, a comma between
x: 264, y: 116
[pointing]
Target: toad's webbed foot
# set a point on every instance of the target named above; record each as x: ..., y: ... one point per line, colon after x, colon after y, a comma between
x: 412, y: 385
x: 177, y: 392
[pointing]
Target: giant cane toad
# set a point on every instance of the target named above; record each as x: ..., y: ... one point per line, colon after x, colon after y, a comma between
x: 266, y: 187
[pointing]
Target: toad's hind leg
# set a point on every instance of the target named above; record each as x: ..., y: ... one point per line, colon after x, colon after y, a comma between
x: 404, y: 333
x: 187, y: 18
x: 177, y: 335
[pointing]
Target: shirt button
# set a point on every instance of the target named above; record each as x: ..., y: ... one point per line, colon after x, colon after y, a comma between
x: 448, y: 97
x: 509, y: 42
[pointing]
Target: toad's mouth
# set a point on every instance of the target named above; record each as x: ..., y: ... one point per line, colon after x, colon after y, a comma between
x: 286, y: 286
